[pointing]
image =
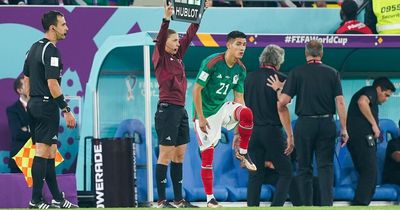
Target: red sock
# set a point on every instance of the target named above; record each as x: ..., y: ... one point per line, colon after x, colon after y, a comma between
x: 207, y: 157
x: 245, y: 128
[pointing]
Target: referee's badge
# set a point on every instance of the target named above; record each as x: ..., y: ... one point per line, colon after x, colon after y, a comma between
x: 235, y: 79
x: 54, y: 61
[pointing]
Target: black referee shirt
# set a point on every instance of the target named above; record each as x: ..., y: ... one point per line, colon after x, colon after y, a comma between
x: 260, y: 98
x: 356, y: 120
x: 316, y: 85
x: 42, y: 62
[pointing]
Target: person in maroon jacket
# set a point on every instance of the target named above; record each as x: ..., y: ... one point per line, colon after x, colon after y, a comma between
x: 350, y: 24
x: 171, y: 118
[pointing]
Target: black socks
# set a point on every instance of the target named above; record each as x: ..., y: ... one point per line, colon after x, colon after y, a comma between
x: 176, y: 176
x: 161, y: 178
x: 52, y: 181
x: 39, y: 166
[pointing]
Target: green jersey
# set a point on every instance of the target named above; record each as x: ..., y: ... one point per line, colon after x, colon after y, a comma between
x: 218, y: 80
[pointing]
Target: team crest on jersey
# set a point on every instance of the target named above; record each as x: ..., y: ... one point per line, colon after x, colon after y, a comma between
x: 235, y: 79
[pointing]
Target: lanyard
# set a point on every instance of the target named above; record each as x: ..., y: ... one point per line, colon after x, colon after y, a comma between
x: 314, y: 61
x: 269, y: 67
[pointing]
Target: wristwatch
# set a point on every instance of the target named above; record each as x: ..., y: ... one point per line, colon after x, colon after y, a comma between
x: 66, y: 109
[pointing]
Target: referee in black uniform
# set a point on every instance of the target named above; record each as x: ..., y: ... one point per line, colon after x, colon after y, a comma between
x: 42, y: 70
x: 267, y: 138
x: 363, y: 126
x: 318, y: 89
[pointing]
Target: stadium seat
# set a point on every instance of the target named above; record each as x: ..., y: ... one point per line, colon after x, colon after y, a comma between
x: 192, y: 183
x: 346, y: 176
x: 390, y: 192
x: 385, y: 192
x: 128, y: 128
x: 388, y: 127
x: 238, y: 191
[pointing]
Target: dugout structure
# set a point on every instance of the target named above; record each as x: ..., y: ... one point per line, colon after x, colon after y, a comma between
x: 122, y: 67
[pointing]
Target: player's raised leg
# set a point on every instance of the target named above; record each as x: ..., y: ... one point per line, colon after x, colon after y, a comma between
x: 244, y: 129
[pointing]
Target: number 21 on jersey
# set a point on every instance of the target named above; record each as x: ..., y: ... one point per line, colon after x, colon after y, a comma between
x: 223, y: 89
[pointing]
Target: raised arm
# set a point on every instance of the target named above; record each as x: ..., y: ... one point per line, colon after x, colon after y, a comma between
x: 187, y: 39
x: 191, y: 32
x: 163, y: 33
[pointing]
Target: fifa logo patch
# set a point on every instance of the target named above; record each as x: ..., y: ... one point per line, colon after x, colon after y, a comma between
x: 203, y: 76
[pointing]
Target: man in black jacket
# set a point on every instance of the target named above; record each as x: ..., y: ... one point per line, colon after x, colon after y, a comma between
x: 18, y: 122
x: 319, y: 95
x: 268, y: 138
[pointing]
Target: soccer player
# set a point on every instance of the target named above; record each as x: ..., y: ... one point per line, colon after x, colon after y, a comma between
x: 219, y: 74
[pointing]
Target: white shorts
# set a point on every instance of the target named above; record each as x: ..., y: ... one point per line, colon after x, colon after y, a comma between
x: 225, y: 117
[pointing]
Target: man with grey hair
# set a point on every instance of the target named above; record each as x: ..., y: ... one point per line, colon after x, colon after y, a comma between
x: 319, y: 93
x: 267, y: 141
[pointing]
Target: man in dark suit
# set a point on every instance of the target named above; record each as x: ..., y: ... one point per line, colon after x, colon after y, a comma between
x: 18, y: 121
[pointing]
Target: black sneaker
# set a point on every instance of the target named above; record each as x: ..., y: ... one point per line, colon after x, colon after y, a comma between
x: 213, y: 204
x: 64, y: 204
x: 246, y: 161
x: 184, y: 204
x: 40, y: 205
x: 165, y: 204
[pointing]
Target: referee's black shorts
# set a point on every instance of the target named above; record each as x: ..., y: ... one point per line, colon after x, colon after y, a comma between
x: 172, y: 125
x: 45, y: 120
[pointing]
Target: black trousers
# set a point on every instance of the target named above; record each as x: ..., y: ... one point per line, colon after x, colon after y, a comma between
x: 364, y: 160
x: 267, y: 143
x: 315, y: 135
